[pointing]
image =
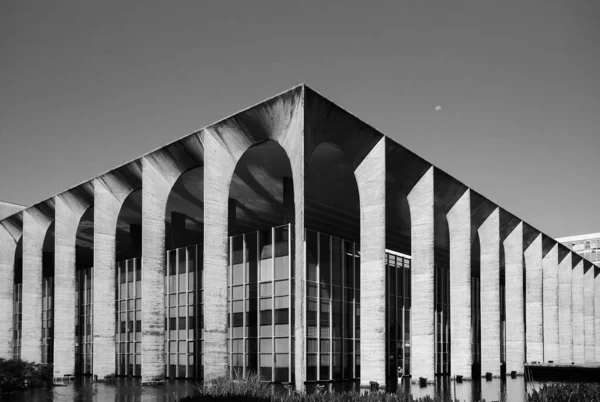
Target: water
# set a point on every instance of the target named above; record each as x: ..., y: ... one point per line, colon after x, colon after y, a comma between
x: 131, y: 390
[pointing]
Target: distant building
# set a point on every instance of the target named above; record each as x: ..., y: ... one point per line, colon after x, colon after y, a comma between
x: 293, y: 240
x: 586, y: 245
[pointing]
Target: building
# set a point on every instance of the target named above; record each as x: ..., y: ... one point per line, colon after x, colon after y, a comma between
x: 587, y: 246
x: 294, y: 240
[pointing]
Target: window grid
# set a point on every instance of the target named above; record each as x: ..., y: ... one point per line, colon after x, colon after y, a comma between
x: 184, y: 313
x: 442, y: 320
x: 129, y: 318
x: 333, y: 309
x: 84, y: 334
x: 17, y: 319
x: 260, y: 314
x: 47, y: 320
x: 398, y: 300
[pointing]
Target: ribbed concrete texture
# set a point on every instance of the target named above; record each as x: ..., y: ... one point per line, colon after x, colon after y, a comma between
x: 110, y: 191
x: 160, y: 171
x: 459, y: 225
x: 420, y: 201
x: 588, y: 312
x: 550, y: 303
x: 565, y: 310
x: 597, y: 311
x: 578, y: 318
x: 279, y: 119
x: 36, y: 221
x: 9, y: 236
x: 370, y: 177
x: 533, y: 301
x: 515, y: 321
x: 489, y: 237
x: 69, y: 209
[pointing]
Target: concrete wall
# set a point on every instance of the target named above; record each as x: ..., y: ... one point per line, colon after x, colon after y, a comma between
x: 70, y: 207
x: 421, y: 203
x: 588, y: 313
x: 9, y: 236
x: 565, y: 310
x: 489, y: 237
x: 550, y: 303
x: 533, y: 301
x: 459, y: 225
x: 370, y: 177
x: 578, y: 317
x: 515, y: 321
x: 36, y: 221
x: 597, y: 311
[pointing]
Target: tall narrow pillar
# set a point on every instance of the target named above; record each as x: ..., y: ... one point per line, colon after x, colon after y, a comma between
x: 421, y: 204
x: 533, y: 301
x: 565, y: 310
x: 515, y: 321
x: 36, y: 221
x: 370, y: 177
x: 110, y: 191
x: 9, y: 236
x: 550, y: 303
x: 489, y: 236
x: 588, y: 312
x: 459, y: 226
x: 578, y: 317
x: 597, y: 311
x: 70, y: 207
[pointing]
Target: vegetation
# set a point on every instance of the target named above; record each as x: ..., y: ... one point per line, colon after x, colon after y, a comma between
x: 254, y: 390
x: 566, y: 392
x: 20, y: 374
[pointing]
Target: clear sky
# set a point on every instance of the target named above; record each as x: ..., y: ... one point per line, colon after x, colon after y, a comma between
x: 88, y: 85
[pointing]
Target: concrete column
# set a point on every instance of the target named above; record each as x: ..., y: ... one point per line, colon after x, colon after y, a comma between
x: 36, y: 221
x: 578, y: 318
x: 110, y: 191
x: 459, y: 225
x: 550, y: 303
x: 370, y: 177
x: 515, y: 321
x: 588, y: 313
x: 597, y: 311
x: 533, y: 301
x: 9, y: 236
x: 565, y: 310
x: 70, y: 207
x: 421, y: 204
x: 489, y: 236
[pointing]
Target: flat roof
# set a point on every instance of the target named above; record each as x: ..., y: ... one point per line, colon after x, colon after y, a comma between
x: 589, y: 236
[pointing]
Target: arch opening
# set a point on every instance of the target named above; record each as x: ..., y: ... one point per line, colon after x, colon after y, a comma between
x: 84, y: 287
x: 18, y: 299
x: 184, y: 307
x: 128, y: 252
x: 48, y: 297
x: 260, y: 219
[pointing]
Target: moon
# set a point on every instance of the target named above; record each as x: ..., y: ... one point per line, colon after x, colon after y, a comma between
x: 437, y: 108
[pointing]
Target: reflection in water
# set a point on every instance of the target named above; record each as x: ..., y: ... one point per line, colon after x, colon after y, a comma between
x: 120, y: 390
x: 130, y: 390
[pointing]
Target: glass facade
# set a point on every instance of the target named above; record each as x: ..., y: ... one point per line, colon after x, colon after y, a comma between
x: 333, y: 308
x: 261, y: 315
x: 398, y: 292
x: 17, y: 317
x: 47, y: 320
x: 588, y: 248
x: 476, y: 325
x: 84, y: 334
x: 184, y: 313
x: 442, y: 319
x: 129, y: 318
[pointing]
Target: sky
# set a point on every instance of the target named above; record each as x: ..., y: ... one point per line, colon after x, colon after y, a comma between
x: 503, y: 95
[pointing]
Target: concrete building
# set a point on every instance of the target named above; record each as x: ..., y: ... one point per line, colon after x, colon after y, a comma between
x: 294, y: 240
x: 586, y: 245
